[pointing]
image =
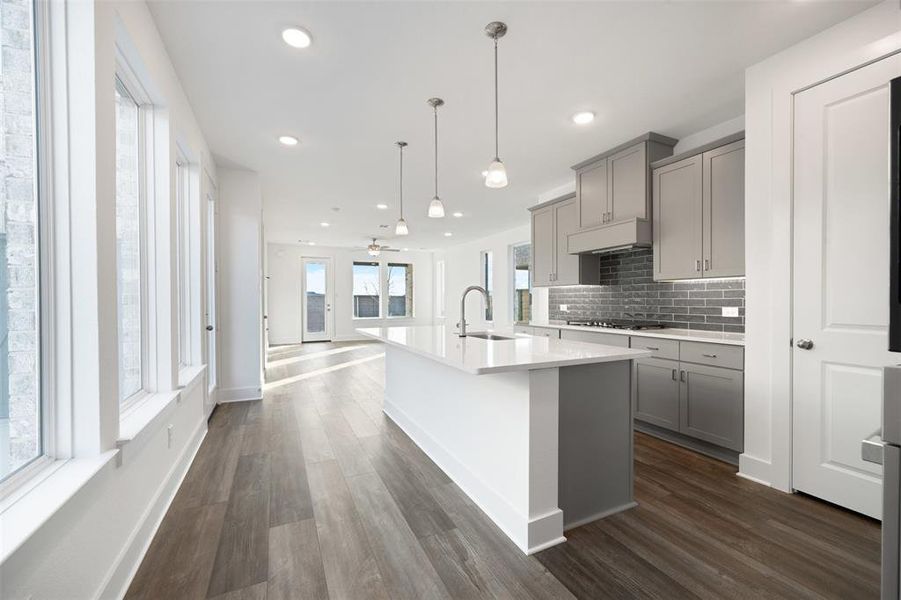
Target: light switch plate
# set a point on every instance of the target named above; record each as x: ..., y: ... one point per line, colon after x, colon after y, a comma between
x: 730, y: 311
x: 564, y: 308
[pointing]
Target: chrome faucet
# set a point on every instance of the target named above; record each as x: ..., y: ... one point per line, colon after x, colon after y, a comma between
x: 462, y: 323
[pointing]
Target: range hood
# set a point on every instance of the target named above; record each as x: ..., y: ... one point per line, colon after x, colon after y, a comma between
x: 601, y: 239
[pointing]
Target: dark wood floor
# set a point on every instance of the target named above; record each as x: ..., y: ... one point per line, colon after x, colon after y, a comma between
x: 313, y: 493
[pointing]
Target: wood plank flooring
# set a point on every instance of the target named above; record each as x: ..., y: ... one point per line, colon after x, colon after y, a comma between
x: 313, y: 493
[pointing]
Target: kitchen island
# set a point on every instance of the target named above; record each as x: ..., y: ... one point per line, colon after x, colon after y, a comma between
x: 536, y: 431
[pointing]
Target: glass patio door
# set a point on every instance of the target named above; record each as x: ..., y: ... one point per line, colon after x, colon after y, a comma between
x: 317, y: 300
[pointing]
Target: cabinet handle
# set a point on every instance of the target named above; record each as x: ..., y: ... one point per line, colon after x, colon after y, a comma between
x: 652, y: 347
x: 706, y: 264
x: 681, y: 375
x: 698, y: 266
x: 674, y: 374
x: 708, y: 355
x: 609, y: 217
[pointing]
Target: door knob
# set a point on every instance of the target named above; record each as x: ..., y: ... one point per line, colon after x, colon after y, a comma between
x: 209, y: 327
x: 804, y: 344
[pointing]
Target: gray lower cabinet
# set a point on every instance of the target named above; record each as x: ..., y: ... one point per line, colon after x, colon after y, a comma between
x: 712, y: 405
x: 608, y: 339
x: 657, y: 392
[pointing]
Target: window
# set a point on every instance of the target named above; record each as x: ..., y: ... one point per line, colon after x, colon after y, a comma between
x: 487, y: 270
x: 367, y: 290
x: 129, y: 226
x: 183, y: 258
x: 400, y: 290
x: 522, y: 283
x: 439, y: 289
x: 21, y: 424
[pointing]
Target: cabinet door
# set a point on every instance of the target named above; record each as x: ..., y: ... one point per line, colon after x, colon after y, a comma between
x: 657, y: 392
x: 591, y: 192
x: 711, y: 405
x: 627, y: 184
x: 543, y: 246
x: 677, y: 220
x: 724, y: 211
x: 566, y: 221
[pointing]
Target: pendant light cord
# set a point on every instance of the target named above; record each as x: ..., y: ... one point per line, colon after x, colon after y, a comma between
x: 436, y: 151
x: 496, y: 154
x: 401, y: 181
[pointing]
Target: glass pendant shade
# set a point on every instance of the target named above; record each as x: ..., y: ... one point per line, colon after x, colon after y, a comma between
x: 496, y: 177
x: 436, y: 208
x: 373, y: 252
x: 401, y: 227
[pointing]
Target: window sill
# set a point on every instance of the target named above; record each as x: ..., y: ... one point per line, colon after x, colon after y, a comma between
x: 153, y: 407
x: 189, y: 376
x: 366, y: 318
x: 23, y: 513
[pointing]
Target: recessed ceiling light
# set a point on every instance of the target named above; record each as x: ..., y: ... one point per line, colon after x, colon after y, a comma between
x: 311, y: 243
x: 458, y: 214
x: 406, y: 249
x: 323, y: 224
x: 297, y: 37
x: 288, y: 140
x: 583, y: 118
x: 447, y: 234
x: 381, y: 206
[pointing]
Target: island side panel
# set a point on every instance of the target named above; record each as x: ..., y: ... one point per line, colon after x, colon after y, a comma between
x: 478, y: 429
x: 596, y: 454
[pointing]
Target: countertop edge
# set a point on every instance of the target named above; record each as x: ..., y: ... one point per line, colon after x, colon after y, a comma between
x: 652, y: 333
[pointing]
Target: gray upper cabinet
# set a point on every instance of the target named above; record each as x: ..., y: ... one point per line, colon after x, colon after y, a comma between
x: 612, y: 194
x: 677, y: 219
x: 591, y: 186
x: 627, y: 184
x: 544, y: 240
x: 712, y: 407
x: 724, y: 211
x: 552, y: 222
x: 699, y: 219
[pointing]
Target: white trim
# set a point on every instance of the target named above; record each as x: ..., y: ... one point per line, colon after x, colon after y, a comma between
x: 242, y: 394
x: 123, y: 570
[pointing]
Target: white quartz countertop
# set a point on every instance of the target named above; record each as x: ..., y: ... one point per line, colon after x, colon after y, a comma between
x: 479, y: 357
x: 688, y: 335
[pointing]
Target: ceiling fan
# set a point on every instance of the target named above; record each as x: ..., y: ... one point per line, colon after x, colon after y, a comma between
x: 374, y: 249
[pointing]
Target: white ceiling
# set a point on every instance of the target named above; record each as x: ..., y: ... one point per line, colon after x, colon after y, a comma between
x: 671, y: 67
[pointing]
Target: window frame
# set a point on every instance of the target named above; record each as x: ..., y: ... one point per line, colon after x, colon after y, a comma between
x: 379, y: 279
x: 183, y: 271
x: 132, y: 85
x: 48, y: 412
x: 513, y: 289
x: 387, y: 299
x: 486, y: 280
x: 440, y: 289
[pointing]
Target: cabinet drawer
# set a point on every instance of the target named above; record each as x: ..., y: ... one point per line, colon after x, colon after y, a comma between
x: 523, y: 329
x: 718, y: 355
x: 661, y: 348
x: 546, y: 332
x: 609, y: 339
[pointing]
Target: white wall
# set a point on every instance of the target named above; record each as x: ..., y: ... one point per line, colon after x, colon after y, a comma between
x: 90, y: 546
x: 462, y: 269
x: 284, y: 290
x: 769, y: 86
x: 240, y: 279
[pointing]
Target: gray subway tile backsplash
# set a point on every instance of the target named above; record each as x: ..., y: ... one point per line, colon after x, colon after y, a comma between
x: 628, y: 291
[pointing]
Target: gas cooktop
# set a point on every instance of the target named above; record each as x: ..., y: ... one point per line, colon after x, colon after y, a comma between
x: 618, y: 324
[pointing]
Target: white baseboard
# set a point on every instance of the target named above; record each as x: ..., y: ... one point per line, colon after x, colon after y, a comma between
x: 238, y: 394
x: 126, y: 565
x: 755, y: 469
x: 530, y: 535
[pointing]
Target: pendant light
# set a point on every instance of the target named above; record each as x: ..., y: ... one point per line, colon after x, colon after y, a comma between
x: 401, y: 227
x: 496, y: 176
x: 436, y: 207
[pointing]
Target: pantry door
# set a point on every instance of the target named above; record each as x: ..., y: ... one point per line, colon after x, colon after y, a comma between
x: 840, y: 283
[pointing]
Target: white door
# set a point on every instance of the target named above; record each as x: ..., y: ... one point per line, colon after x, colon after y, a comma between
x: 316, y: 304
x: 840, y: 287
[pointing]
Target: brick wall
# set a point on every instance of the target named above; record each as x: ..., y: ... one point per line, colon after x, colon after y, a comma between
x: 628, y: 291
x: 18, y: 229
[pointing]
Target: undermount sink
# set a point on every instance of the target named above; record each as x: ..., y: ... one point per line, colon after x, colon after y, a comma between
x: 489, y: 336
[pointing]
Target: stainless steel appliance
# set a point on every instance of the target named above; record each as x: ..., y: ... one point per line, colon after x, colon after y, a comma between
x: 617, y: 324
x: 884, y: 447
